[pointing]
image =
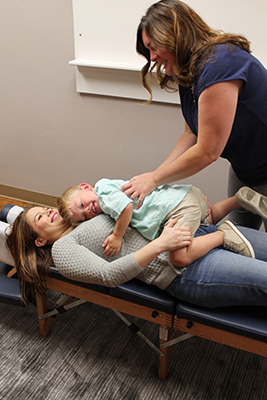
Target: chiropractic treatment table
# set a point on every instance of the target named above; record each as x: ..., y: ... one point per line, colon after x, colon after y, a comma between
x: 244, y: 328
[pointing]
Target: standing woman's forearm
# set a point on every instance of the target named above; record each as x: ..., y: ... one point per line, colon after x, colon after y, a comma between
x: 187, y: 140
x: 189, y: 163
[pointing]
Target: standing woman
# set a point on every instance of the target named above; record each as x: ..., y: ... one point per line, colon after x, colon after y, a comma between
x: 223, y: 92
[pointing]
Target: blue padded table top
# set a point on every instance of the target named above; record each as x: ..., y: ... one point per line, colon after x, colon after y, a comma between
x: 53, y: 272
x: 134, y: 291
x: 9, y: 287
x: 147, y: 295
x: 247, y: 321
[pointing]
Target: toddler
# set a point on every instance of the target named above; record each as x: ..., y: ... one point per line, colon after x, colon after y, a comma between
x: 185, y: 203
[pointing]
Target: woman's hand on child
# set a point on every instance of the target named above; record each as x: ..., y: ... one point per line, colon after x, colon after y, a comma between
x: 139, y: 186
x: 112, y: 245
x: 174, y: 237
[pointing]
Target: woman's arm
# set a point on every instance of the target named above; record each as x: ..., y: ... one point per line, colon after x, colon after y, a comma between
x: 187, y: 140
x: 172, y: 238
x: 198, y: 248
x: 216, y: 112
x: 142, y: 185
x: 78, y: 255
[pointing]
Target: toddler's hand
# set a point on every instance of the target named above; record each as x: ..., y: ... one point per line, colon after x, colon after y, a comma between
x: 112, y: 245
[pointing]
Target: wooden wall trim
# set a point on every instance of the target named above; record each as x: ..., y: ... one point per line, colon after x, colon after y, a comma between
x: 27, y: 196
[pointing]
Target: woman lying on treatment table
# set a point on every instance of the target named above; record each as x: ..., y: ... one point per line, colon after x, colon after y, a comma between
x: 220, y: 278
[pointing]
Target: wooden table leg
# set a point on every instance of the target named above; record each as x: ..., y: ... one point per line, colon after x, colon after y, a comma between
x: 164, y: 336
x: 41, y: 302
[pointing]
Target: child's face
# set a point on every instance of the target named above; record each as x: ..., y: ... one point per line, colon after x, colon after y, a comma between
x: 85, y: 205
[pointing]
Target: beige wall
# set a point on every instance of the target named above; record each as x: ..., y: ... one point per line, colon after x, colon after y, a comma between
x: 53, y: 137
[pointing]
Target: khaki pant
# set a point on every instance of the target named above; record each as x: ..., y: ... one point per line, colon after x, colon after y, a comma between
x: 191, y: 212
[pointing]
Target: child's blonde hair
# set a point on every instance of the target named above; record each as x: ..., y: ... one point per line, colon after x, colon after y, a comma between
x: 63, y: 203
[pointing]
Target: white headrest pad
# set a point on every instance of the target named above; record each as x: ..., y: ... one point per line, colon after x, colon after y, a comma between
x: 5, y: 255
x: 13, y: 213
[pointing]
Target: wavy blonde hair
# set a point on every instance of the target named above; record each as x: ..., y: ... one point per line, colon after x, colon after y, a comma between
x: 174, y: 26
x: 63, y: 203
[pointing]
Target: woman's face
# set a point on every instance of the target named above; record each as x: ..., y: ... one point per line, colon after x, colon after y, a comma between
x: 47, y: 223
x: 165, y: 58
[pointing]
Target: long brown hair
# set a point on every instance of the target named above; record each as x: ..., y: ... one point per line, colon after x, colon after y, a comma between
x: 176, y: 27
x: 32, y: 262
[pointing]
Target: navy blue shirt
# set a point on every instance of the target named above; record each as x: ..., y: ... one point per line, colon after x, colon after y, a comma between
x: 246, y: 148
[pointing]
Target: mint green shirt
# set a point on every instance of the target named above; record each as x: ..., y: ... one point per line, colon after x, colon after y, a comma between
x: 149, y: 217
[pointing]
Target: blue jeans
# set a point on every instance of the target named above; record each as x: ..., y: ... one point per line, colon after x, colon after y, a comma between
x: 223, y: 278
